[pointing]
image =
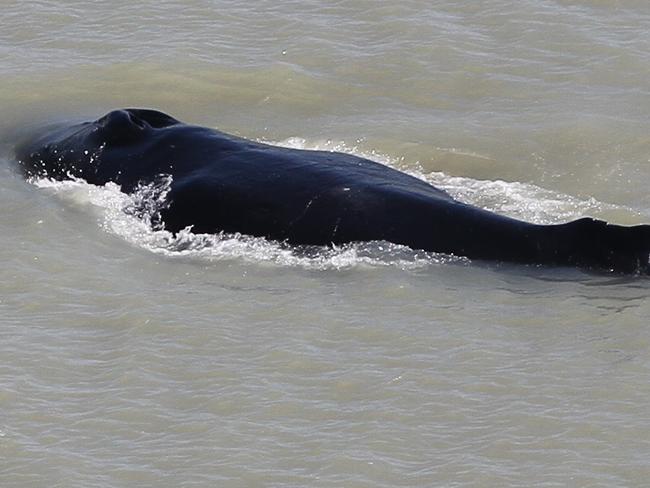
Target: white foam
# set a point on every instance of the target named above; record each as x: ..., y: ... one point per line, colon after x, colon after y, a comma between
x: 126, y: 216
x: 519, y: 200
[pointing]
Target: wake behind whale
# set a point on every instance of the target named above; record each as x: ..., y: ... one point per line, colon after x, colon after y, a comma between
x: 223, y: 183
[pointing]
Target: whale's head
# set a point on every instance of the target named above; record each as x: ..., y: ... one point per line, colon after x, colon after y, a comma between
x: 69, y: 150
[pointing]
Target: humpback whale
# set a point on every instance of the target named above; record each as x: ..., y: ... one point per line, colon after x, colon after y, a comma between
x: 224, y: 183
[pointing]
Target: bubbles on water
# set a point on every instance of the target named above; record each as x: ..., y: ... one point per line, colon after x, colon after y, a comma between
x: 255, y: 249
x: 519, y: 200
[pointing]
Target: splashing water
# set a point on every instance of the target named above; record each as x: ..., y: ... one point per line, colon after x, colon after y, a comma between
x: 136, y: 218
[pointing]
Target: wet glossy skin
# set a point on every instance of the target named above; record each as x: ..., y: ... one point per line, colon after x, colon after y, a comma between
x: 225, y: 183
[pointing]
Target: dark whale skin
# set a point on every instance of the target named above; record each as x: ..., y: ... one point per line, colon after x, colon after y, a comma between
x: 226, y: 183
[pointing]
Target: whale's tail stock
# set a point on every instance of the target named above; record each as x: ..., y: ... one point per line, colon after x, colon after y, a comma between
x: 596, y: 244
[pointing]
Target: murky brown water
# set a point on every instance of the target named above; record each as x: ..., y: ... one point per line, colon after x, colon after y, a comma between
x: 131, y: 359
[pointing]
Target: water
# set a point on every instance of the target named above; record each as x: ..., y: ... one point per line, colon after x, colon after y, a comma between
x: 131, y: 357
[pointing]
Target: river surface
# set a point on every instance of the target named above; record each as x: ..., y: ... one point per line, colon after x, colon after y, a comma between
x: 131, y: 357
